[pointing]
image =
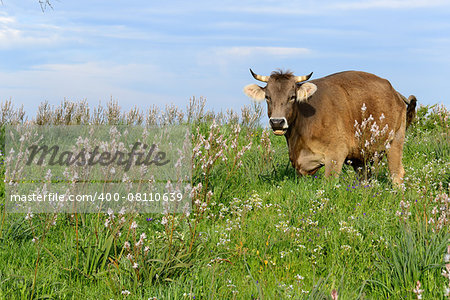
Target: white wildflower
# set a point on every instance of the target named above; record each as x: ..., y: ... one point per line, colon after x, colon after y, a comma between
x: 447, y: 258
x: 133, y: 225
x: 187, y: 209
x: 299, y: 277
x: 29, y: 216
x: 122, y: 211
x: 364, y: 107
x: 126, y: 245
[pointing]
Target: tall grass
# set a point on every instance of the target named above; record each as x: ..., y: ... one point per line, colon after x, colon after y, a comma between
x: 256, y: 230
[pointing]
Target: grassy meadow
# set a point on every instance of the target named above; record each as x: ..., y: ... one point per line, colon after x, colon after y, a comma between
x: 256, y: 230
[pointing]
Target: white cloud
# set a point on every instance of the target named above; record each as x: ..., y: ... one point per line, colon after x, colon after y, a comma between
x: 226, y: 59
x: 232, y: 25
x: 4, y: 19
x: 131, y: 84
x: 280, y: 9
x: 13, y: 34
x: 314, y: 8
x: 266, y: 51
x: 390, y: 4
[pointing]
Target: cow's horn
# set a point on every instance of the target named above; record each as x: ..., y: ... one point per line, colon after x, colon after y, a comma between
x: 302, y: 78
x: 259, y: 77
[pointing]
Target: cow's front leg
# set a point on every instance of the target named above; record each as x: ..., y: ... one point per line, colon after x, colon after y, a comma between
x: 333, y: 164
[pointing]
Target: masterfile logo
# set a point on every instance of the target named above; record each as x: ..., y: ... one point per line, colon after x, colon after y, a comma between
x: 90, y: 168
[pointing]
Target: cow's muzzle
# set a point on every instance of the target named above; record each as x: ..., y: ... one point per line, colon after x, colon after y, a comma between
x: 279, y: 125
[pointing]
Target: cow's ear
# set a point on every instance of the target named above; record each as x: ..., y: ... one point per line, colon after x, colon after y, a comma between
x: 305, y: 91
x: 254, y: 91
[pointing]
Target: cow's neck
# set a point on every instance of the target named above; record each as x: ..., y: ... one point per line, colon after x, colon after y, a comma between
x: 294, y: 135
x: 303, y: 158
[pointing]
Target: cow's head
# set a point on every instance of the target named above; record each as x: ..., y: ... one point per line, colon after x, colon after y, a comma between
x: 282, y: 91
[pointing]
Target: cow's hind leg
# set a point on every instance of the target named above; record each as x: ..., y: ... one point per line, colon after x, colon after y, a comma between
x: 394, y: 158
x: 360, y: 169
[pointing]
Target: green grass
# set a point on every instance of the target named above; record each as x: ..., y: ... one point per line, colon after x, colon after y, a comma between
x: 265, y: 234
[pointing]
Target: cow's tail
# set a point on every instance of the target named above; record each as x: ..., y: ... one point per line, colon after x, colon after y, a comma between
x: 411, y: 103
x: 411, y: 110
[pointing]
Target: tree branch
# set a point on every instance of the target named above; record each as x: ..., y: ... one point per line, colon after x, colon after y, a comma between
x: 44, y: 4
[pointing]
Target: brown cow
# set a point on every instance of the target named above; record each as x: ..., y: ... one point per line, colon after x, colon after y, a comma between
x: 320, y: 119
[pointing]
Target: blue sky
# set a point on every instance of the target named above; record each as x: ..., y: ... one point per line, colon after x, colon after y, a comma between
x: 156, y: 52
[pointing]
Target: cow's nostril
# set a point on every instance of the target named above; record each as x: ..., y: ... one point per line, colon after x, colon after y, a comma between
x: 274, y: 122
x: 277, y: 123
